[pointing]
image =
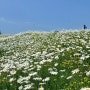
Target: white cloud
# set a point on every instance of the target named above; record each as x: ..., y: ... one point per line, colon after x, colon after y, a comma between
x: 2, y: 19
x: 26, y: 23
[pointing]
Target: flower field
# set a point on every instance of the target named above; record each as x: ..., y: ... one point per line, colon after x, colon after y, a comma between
x: 45, y: 61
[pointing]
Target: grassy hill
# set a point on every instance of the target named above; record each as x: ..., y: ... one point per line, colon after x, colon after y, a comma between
x: 45, y: 61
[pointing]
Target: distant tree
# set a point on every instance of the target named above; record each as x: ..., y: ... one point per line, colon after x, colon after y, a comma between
x: 56, y: 31
x: 0, y: 32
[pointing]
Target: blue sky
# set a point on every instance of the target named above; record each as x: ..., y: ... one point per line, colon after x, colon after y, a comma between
x: 43, y: 15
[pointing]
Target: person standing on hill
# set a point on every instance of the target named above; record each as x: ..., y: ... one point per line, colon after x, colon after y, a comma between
x: 84, y: 27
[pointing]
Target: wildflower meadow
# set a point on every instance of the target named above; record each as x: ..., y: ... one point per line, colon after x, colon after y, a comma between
x: 45, y: 61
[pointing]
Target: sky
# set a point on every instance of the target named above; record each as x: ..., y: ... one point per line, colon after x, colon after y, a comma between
x: 43, y: 15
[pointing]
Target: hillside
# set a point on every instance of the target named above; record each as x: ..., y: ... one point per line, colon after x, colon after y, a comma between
x: 45, y: 61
